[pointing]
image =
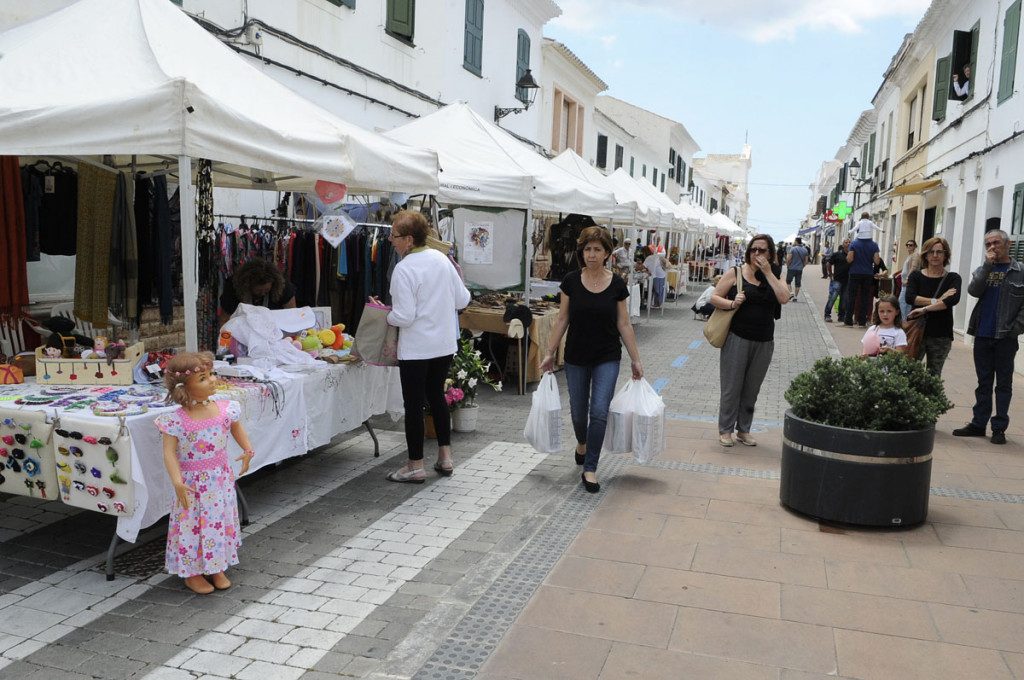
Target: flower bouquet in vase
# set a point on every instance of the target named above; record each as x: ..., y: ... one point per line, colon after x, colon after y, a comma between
x: 468, y: 372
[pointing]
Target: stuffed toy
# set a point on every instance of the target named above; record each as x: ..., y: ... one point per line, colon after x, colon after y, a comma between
x: 62, y: 336
x: 339, y: 335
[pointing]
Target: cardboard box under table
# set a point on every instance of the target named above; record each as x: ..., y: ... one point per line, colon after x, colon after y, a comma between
x: 491, y: 321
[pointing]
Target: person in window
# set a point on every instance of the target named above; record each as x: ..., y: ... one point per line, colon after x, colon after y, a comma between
x: 257, y: 282
x: 962, y: 89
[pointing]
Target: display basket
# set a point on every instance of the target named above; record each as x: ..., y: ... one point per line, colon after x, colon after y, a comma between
x: 96, y: 371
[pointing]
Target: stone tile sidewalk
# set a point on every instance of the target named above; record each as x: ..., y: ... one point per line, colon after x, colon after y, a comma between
x: 691, y: 568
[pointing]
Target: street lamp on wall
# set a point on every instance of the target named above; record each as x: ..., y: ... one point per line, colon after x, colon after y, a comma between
x: 854, y: 169
x: 531, y: 87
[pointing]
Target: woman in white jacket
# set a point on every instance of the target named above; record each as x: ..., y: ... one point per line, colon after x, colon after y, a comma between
x: 426, y: 294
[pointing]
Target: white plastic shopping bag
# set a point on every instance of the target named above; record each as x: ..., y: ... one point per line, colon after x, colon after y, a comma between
x: 648, y: 422
x: 544, y: 424
x: 618, y: 436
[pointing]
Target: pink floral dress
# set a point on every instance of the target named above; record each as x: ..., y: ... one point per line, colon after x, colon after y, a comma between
x: 204, y: 539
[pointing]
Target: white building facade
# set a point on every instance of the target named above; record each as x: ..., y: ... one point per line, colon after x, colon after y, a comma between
x: 567, y: 101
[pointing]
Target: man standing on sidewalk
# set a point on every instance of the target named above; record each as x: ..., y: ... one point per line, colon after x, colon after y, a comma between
x: 996, y: 321
x: 796, y: 259
x: 863, y: 257
x: 839, y: 271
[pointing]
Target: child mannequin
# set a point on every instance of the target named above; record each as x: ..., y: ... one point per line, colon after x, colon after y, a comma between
x: 885, y: 335
x: 203, y: 534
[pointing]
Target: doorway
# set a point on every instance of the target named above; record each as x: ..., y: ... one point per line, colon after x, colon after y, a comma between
x: 928, y: 230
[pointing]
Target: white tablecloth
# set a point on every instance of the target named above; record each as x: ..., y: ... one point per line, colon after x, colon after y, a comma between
x: 316, y: 406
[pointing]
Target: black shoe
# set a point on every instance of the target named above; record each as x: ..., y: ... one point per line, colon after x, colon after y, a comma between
x: 591, y: 487
x: 580, y: 457
x: 971, y: 430
x: 828, y: 319
x: 848, y: 325
x: 998, y: 438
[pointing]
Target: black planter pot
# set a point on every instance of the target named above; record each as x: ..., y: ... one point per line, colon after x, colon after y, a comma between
x: 855, y: 476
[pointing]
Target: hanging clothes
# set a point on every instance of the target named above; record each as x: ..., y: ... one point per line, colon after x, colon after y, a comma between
x: 206, y: 257
x: 124, y: 254
x: 13, y: 268
x: 143, y: 209
x: 96, y: 190
x: 32, y: 195
x: 164, y: 251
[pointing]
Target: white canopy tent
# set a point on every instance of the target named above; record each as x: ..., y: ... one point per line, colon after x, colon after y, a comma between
x: 480, y: 163
x: 649, y: 214
x: 726, y: 226
x: 626, y: 212
x: 139, y: 77
x: 680, y: 217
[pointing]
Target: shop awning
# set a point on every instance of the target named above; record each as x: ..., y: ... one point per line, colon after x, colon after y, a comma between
x: 916, y: 187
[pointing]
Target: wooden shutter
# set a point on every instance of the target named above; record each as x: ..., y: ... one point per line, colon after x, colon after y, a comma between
x: 602, y: 151
x: 619, y: 151
x: 663, y: 182
x: 1008, y: 64
x: 351, y: 4
x: 401, y: 18
x: 942, y: 75
x: 632, y: 165
x: 975, y: 39
x: 522, y: 63
x: 871, y: 155
x: 1017, y: 221
x: 473, y: 42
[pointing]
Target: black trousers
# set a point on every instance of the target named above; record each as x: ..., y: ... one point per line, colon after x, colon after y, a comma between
x: 859, y: 289
x: 993, y: 362
x: 423, y: 383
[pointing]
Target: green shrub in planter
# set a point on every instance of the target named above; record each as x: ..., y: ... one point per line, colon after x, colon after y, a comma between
x: 888, y: 393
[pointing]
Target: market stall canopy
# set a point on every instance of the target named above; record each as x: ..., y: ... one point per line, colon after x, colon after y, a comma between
x: 625, y: 211
x: 141, y: 77
x: 680, y: 216
x: 648, y: 212
x: 483, y: 165
x: 724, y: 225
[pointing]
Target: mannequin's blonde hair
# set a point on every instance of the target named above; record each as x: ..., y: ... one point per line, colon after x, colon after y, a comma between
x: 178, y: 370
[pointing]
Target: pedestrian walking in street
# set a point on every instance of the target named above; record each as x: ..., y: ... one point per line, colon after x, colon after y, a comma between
x: 594, y: 317
x: 839, y: 272
x: 655, y: 264
x: 933, y: 291
x: 826, y: 255
x: 796, y: 260
x: 995, y: 323
x: 427, y: 293
x: 911, y: 264
x: 886, y: 335
x: 743, y: 363
x: 863, y: 255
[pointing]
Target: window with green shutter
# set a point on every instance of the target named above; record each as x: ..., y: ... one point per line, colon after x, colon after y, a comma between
x: 179, y: 3
x: 401, y: 19
x: 522, y: 63
x: 1008, y: 63
x: 618, y: 156
x: 644, y: 171
x: 1017, y: 220
x: 663, y: 182
x: 869, y: 168
x: 632, y: 165
x: 602, y: 151
x: 942, y: 75
x: 473, y: 42
x: 351, y: 4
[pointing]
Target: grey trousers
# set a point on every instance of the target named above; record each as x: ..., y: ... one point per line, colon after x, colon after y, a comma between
x: 742, y: 367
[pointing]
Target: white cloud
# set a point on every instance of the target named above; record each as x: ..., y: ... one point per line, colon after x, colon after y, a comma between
x: 757, y: 20
x: 608, y: 40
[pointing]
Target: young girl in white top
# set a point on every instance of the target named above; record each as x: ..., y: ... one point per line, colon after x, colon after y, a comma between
x: 885, y: 335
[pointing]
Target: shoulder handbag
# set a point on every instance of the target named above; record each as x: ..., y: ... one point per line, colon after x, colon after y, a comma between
x: 914, y: 328
x: 716, y: 330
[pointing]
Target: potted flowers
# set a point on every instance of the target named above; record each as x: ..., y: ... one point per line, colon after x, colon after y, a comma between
x: 468, y: 372
x: 857, y: 440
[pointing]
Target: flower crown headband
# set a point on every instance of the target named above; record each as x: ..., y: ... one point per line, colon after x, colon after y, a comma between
x: 197, y: 370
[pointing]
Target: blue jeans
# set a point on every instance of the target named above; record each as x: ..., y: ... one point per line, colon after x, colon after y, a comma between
x: 590, y: 392
x: 993, y: 362
x: 905, y: 306
x: 835, y: 289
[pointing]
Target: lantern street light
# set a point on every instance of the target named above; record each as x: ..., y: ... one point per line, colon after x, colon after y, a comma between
x: 530, y: 86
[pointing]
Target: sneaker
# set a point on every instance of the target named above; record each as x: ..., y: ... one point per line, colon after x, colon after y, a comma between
x: 828, y: 319
x: 725, y: 439
x: 971, y: 430
x: 998, y: 438
x: 745, y: 439
x: 792, y: 297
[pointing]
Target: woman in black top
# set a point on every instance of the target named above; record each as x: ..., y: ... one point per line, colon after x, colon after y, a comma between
x: 257, y: 282
x: 932, y: 292
x: 594, y: 312
x: 748, y: 349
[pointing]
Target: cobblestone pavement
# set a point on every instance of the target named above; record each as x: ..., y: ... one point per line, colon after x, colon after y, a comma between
x: 345, y: 575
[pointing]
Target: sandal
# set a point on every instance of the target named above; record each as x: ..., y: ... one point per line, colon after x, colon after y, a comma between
x: 442, y: 470
x: 403, y: 476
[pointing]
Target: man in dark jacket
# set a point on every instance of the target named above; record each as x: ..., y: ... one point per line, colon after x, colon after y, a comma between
x: 839, y: 271
x: 995, y: 323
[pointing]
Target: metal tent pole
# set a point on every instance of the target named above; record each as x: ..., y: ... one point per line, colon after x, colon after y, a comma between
x: 189, y: 271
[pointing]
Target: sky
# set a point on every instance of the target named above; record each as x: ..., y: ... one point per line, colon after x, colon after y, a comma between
x: 790, y: 75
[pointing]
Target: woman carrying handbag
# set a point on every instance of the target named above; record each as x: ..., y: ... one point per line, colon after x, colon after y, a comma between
x: 757, y: 301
